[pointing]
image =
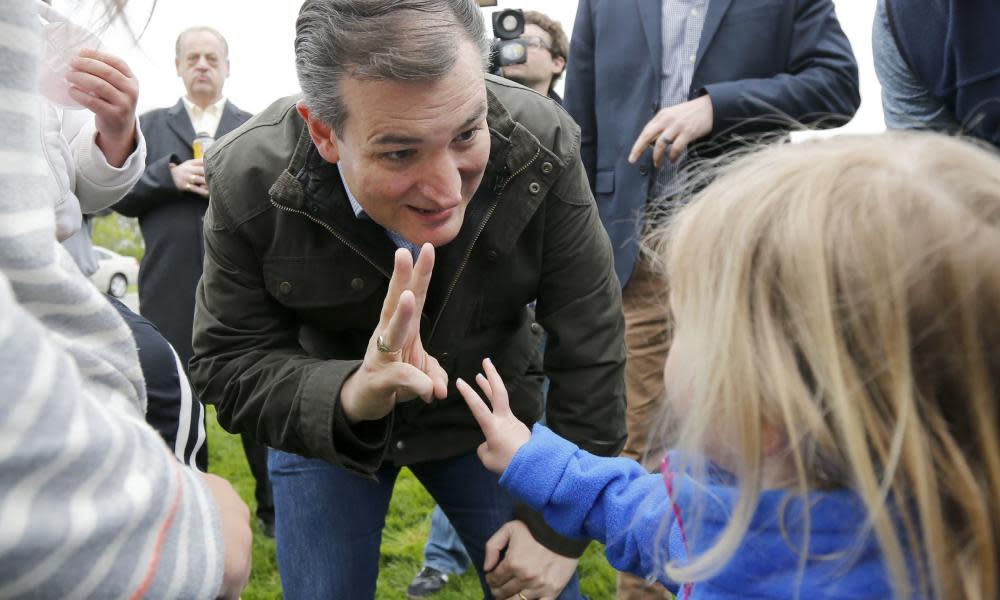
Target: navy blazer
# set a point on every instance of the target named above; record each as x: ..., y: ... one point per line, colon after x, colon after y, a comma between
x: 171, y: 222
x: 765, y: 64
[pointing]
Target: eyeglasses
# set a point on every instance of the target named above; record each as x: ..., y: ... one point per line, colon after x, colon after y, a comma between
x: 533, y: 41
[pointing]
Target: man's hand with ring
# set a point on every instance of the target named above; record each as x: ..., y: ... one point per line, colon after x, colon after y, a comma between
x: 190, y: 176
x: 528, y: 567
x: 675, y: 127
x: 396, y: 368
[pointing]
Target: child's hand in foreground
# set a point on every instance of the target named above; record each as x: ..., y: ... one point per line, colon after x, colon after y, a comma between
x: 504, y: 433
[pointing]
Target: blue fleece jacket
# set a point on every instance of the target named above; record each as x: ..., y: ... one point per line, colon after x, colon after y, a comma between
x: 614, y: 501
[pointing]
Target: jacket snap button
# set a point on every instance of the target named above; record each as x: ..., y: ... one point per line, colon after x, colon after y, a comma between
x: 444, y: 356
x: 285, y: 288
x: 357, y: 284
x: 492, y: 255
x: 546, y: 167
x: 400, y: 445
x: 643, y: 169
x: 533, y: 187
x: 536, y: 328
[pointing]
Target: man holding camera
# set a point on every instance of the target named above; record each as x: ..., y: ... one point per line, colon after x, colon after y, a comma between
x: 545, y: 60
x: 371, y: 242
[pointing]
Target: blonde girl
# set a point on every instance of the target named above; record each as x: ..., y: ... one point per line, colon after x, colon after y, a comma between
x: 836, y: 368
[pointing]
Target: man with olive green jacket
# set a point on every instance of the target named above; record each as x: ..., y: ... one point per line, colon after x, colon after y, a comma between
x: 298, y: 264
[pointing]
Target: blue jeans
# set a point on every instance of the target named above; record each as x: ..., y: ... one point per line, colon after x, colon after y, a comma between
x: 444, y: 551
x: 329, y: 521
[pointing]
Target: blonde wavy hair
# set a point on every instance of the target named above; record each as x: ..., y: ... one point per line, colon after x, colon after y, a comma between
x: 845, y: 293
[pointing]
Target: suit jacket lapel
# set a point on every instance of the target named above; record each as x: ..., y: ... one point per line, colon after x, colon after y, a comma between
x: 713, y: 18
x: 651, y: 17
x: 180, y: 123
x: 230, y: 120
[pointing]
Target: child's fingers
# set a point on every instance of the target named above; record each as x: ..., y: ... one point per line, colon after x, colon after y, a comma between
x: 479, y: 410
x: 499, y: 395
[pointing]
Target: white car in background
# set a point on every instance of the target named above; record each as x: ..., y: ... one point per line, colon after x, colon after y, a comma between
x: 114, y: 272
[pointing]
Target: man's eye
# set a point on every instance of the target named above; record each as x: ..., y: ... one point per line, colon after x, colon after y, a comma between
x: 467, y: 136
x: 398, y: 155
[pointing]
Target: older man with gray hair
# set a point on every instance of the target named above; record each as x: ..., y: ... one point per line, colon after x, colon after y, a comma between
x: 369, y: 243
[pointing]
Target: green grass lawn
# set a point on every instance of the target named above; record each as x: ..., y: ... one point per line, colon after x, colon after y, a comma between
x: 402, y: 540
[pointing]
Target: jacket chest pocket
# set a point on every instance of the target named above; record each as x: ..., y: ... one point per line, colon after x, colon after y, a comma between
x: 317, y: 283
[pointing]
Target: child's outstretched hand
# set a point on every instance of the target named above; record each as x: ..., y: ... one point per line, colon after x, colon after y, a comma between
x: 504, y: 433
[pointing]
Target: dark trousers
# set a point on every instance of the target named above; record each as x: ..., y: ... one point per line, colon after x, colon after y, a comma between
x: 257, y: 459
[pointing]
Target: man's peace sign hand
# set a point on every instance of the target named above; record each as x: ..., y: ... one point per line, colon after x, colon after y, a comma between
x: 396, y: 368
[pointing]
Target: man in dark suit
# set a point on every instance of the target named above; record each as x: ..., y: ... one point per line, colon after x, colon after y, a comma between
x: 170, y: 202
x: 655, y: 84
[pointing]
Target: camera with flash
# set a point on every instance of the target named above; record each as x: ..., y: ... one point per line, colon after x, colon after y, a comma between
x: 508, y: 49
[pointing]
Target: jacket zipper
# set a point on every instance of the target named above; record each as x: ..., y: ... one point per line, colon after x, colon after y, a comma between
x: 334, y: 233
x: 479, y: 231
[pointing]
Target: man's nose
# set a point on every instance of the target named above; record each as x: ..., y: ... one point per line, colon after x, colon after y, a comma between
x: 442, y: 182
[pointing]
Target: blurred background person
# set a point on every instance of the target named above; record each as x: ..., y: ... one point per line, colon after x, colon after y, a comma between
x: 545, y: 63
x: 170, y: 202
x: 939, y: 65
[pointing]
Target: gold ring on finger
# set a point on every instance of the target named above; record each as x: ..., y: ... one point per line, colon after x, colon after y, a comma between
x: 522, y: 596
x: 384, y: 347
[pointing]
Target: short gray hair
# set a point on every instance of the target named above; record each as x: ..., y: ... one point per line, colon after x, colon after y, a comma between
x: 403, y: 40
x: 200, y: 29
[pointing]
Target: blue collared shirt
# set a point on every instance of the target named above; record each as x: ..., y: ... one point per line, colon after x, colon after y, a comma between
x: 360, y: 213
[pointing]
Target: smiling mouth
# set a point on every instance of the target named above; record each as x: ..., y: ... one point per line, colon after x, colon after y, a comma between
x: 430, y: 211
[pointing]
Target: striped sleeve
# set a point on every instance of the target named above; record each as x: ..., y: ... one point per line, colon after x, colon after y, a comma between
x: 92, y: 503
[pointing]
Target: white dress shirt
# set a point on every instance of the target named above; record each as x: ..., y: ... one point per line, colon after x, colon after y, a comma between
x: 205, y: 119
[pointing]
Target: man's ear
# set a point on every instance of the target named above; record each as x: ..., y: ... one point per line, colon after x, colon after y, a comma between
x: 560, y: 65
x: 321, y: 134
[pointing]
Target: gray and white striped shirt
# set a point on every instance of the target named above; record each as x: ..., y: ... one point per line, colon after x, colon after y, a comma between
x: 92, y: 503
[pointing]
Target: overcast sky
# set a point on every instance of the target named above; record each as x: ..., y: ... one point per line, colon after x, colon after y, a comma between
x: 260, y: 35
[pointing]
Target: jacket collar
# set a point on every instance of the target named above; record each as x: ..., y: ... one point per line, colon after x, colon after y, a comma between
x: 231, y: 119
x: 179, y: 122
x: 651, y: 17
x: 713, y: 18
